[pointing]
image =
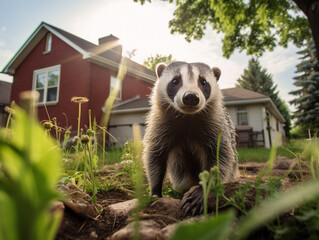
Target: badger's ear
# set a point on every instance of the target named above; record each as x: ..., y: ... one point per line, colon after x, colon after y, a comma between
x: 159, y: 69
x: 216, y: 72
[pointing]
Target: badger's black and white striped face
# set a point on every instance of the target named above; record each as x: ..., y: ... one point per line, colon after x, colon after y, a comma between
x: 187, y: 86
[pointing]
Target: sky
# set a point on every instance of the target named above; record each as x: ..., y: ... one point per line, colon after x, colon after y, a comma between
x: 141, y: 27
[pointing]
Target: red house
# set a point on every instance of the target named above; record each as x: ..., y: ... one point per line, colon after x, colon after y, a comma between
x: 60, y: 65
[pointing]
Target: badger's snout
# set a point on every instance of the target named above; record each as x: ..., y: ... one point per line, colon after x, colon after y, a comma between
x: 191, y: 99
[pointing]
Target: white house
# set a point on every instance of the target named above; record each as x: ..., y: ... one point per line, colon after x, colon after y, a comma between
x: 258, y: 122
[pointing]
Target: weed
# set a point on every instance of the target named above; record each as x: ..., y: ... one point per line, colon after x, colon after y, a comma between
x: 210, y: 180
x: 30, y: 167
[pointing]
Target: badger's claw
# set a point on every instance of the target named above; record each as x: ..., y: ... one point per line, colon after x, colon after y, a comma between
x: 193, y: 201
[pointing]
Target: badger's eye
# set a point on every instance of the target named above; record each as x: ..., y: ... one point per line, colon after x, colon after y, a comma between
x: 203, y: 81
x: 176, y: 80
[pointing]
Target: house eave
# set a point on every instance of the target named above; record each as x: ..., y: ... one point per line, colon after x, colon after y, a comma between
x: 31, y: 42
x: 247, y: 101
x: 276, y: 111
x: 106, y: 62
x: 267, y: 101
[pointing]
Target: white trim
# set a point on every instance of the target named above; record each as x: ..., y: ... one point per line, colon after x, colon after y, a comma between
x: 7, y: 69
x: 86, y: 55
x: 76, y: 47
x: 47, y: 70
x: 242, y: 111
x: 42, y: 26
x: 117, y: 82
x: 48, y: 43
x: 146, y: 77
x: 247, y: 101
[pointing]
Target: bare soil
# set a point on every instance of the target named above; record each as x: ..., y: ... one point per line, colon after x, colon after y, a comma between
x: 74, y: 226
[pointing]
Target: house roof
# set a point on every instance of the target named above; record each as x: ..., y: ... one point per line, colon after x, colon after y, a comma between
x: 5, y: 92
x: 238, y: 94
x: 232, y: 96
x: 108, y: 53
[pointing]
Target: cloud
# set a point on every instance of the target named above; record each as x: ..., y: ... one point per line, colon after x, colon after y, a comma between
x: 5, y: 55
x: 280, y: 60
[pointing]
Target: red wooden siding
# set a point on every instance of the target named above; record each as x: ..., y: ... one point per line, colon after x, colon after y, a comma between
x: 74, y: 80
x: 78, y: 77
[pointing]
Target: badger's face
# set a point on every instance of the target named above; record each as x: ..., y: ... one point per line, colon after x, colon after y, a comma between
x: 187, y: 87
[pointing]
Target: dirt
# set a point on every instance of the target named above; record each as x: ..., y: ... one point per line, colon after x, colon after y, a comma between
x: 164, y: 212
x: 74, y: 226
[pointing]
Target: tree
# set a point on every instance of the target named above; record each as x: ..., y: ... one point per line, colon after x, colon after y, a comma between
x: 151, y: 61
x: 307, y: 94
x: 255, y: 78
x: 248, y: 25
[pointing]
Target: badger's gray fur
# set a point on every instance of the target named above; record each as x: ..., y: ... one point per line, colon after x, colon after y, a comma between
x: 187, y: 112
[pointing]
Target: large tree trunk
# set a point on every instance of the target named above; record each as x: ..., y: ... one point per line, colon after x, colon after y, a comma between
x: 311, y: 10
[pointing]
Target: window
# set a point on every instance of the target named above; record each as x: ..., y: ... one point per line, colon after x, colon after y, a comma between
x: 242, y: 116
x: 48, y: 43
x: 46, y: 82
x: 277, y: 126
x: 116, y: 84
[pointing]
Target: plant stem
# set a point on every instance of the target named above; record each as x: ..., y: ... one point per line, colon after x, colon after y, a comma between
x: 92, y: 171
x: 79, y: 119
x: 84, y: 171
x: 90, y: 124
x: 103, y: 158
x: 8, y: 120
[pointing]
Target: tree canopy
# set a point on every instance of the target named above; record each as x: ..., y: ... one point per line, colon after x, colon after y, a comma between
x: 151, y: 61
x: 256, y: 78
x: 254, y: 26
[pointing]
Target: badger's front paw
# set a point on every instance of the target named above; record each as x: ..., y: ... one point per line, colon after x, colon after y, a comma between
x: 193, y: 201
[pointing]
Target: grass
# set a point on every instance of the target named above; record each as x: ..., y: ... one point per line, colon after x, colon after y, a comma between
x: 30, y: 165
x: 262, y: 154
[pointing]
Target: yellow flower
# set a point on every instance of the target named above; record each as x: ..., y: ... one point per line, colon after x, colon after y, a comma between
x: 85, y: 139
x: 8, y: 109
x: 79, y: 99
x: 47, y: 125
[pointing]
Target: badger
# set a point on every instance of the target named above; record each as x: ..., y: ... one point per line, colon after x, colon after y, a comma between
x: 187, y: 112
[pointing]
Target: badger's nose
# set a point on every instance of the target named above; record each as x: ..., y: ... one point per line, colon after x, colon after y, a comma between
x: 191, y: 99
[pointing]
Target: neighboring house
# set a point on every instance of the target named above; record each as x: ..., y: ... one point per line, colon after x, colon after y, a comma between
x: 60, y: 65
x: 5, y: 91
x: 258, y: 122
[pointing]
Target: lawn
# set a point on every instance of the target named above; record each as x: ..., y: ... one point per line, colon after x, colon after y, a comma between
x: 262, y: 154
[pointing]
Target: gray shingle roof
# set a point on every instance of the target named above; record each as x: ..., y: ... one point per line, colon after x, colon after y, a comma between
x: 82, y: 43
x: 237, y: 93
x: 99, y: 50
x: 110, y: 56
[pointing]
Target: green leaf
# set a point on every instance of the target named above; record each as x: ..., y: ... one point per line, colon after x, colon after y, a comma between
x: 31, y: 165
x: 214, y: 228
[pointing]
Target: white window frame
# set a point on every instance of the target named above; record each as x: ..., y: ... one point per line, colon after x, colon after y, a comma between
x: 242, y: 111
x: 112, y: 80
x: 47, y: 70
x: 48, y: 44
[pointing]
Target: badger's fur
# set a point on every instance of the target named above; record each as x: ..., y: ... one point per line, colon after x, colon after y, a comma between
x: 182, y: 127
